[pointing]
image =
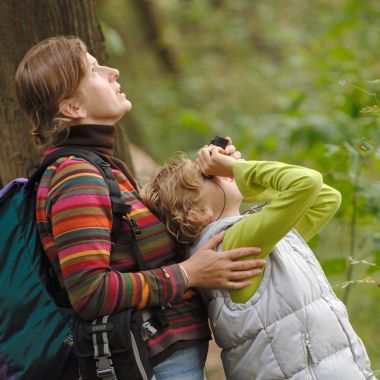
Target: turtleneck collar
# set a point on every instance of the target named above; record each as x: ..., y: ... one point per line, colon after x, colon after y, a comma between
x: 96, y: 137
x: 99, y: 139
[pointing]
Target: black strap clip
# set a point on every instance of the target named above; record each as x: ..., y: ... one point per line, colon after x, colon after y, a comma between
x: 120, y: 207
x: 136, y: 230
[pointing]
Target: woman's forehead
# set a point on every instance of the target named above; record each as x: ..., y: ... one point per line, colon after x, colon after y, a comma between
x: 91, y: 60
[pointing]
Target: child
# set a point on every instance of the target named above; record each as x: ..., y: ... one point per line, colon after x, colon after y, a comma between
x: 288, y: 324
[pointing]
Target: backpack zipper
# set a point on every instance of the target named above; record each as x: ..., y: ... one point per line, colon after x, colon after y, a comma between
x: 310, y: 357
x: 138, y: 359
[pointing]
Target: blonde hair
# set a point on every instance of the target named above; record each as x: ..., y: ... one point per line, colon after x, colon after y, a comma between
x: 50, y: 72
x: 174, y: 195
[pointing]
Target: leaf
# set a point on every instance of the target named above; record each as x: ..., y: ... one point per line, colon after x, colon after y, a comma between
x: 376, y: 266
x: 375, y: 81
x: 114, y: 40
x: 364, y: 280
x: 354, y: 261
x: 331, y: 149
x: 342, y: 82
x: 351, y: 150
x: 193, y: 120
x: 370, y: 109
x: 335, y: 265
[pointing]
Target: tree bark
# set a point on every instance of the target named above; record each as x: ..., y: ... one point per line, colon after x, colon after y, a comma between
x: 23, y: 23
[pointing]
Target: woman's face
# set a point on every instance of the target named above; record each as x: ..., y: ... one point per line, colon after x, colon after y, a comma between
x: 101, y: 98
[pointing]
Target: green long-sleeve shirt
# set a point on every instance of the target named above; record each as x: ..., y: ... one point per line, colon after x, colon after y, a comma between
x: 298, y: 199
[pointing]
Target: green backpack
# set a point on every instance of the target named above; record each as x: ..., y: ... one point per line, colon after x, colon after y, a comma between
x: 35, y: 334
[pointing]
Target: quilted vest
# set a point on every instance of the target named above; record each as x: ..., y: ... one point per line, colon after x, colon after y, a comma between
x: 294, y: 326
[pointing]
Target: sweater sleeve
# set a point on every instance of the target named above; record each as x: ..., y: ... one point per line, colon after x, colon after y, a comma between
x: 321, y: 211
x: 298, y: 199
x: 81, y: 220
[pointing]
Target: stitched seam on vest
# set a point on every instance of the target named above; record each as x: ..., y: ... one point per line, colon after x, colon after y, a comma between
x: 347, y: 346
x: 270, y: 343
x: 336, y: 353
x: 347, y: 337
x: 308, y: 256
x: 295, y: 311
x: 319, y: 361
x: 277, y: 320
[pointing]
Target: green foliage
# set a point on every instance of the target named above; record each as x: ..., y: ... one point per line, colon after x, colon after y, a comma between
x: 334, y: 265
x: 294, y: 81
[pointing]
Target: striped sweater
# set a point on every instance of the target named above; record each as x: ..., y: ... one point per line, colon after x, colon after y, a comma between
x: 74, y: 218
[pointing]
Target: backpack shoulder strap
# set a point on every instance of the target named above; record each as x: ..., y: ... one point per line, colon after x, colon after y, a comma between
x: 118, y: 206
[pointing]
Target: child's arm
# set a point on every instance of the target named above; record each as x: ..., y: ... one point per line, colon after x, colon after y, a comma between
x: 316, y: 217
x: 297, y: 190
x: 320, y: 212
x: 300, y: 200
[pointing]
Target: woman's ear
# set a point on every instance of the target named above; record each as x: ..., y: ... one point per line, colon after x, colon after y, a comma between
x: 72, y: 109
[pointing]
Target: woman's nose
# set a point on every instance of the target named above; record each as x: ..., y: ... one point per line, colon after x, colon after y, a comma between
x: 113, y: 74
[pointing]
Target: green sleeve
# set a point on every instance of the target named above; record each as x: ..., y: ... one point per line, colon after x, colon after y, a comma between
x: 298, y: 199
x: 320, y: 212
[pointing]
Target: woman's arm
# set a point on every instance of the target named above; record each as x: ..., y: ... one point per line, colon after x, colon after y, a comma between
x: 81, y: 219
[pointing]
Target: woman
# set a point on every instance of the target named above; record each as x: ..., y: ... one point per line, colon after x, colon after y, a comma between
x: 73, y: 101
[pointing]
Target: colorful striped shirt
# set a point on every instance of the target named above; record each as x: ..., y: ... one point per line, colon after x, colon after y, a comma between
x: 74, y: 218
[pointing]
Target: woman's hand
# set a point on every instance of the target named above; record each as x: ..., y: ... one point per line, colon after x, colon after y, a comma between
x: 209, y: 269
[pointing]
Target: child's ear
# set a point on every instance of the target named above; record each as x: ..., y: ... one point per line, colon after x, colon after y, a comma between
x: 72, y: 109
x: 207, y: 216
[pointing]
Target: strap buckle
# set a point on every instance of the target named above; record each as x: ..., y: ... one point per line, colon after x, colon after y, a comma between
x: 149, y: 328
x: 105, y: 367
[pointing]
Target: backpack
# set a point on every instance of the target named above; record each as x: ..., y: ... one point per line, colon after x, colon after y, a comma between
x: 36, y: 331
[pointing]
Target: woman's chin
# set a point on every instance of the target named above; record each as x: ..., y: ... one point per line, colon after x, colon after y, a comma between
x: 128, y: 105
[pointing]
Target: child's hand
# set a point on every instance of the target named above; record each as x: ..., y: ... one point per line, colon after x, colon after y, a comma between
x: 212, y: 160
x: 231, y: 151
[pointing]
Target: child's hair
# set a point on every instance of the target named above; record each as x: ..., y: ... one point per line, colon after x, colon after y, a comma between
x: 174, y: 195
x: 50, y: 72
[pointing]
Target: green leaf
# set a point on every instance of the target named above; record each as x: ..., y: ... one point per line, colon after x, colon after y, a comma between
x: 351, y: 150
x: 334, y: 265
x: 370, y: 109
x: 193, y: 120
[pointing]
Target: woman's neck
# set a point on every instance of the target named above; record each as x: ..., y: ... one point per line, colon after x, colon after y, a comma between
x: 97, y: 136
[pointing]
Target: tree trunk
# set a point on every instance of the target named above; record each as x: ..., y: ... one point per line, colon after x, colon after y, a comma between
x: 23, y: 23
x: 154, y: 36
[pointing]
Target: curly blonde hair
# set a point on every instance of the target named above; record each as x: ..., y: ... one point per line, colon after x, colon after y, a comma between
x: 174, y: 195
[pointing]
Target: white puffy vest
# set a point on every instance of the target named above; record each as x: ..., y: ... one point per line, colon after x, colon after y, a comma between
x: 294, y: 326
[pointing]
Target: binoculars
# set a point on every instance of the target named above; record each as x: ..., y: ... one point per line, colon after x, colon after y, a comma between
x: 219, y: 141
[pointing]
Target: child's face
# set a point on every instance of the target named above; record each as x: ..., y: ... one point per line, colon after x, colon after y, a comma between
x: 221, y: 197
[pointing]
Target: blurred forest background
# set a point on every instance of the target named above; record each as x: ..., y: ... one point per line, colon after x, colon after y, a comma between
x: 295, y: 81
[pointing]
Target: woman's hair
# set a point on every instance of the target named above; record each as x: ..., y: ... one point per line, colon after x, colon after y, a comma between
x: 49, y: 73
x: 174, y: 195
